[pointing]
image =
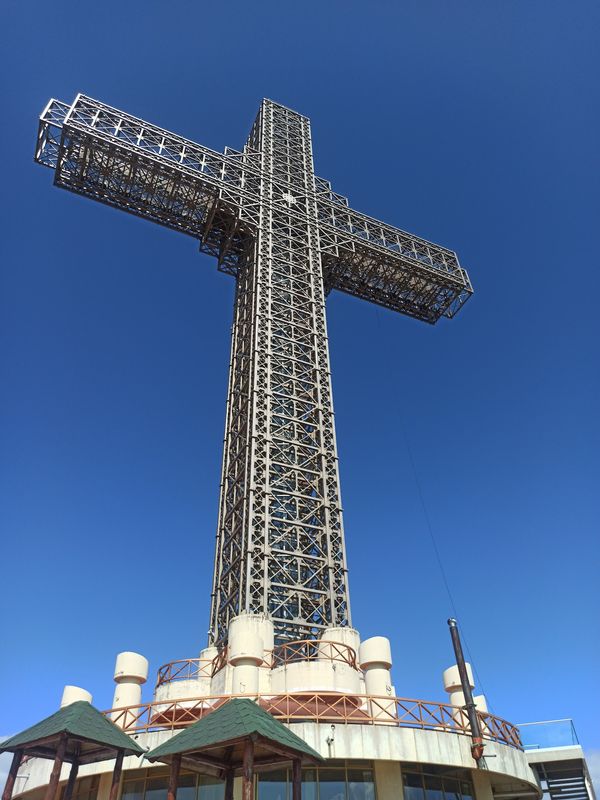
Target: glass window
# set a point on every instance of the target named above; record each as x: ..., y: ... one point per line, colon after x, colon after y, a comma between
x: 133, y: 790
x: 186, y: 787
x: 360, y: 784
x: 85, y: 788
x: 451, y: 789
x: 418, y: 786
x: 433, y: 788
x: 413, y: 786
x: 156, y: 788
x: 272, y: 785
x: 309, y: 784
x: 332, y: 784
x: 209, y: 788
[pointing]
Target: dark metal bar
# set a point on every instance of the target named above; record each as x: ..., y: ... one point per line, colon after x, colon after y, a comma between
x: 476, y: 735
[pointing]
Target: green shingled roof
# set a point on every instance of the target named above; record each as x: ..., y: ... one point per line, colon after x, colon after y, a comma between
x: 97, y: 737
x: 236, y: 719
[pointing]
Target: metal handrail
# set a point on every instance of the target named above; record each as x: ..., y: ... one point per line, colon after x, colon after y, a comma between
x: 303, y: 650
x: 326, y: 707
x: 313, y: 650
x: 184, y: 669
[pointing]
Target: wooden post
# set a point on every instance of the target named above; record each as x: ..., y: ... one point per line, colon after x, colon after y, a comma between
x: 12, y: 775
x: 174, y: 776
x: 50, y: 793
x: 116, y: 776
x: 297, y: 779
x: 228, y: 785
x: 72, y: 778
x: 248, y: 771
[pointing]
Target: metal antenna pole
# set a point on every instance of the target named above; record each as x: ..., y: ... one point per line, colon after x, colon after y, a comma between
x: 476, y: 737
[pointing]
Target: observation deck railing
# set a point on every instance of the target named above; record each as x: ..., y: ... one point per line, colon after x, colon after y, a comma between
x: 313, y: 650
x: 325, y: 707
x: 305, y: 650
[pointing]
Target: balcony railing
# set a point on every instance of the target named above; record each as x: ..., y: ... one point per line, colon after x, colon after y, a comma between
x: 306, y: 650
x: 325, y: 707
x: 313, y: 650
x: 549, y: 733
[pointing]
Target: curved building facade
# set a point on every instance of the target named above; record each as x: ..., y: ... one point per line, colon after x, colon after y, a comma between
x: 337, y: 695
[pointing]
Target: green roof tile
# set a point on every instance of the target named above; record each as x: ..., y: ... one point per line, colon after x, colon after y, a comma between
x: 236, y: 719
x: 81, y: 721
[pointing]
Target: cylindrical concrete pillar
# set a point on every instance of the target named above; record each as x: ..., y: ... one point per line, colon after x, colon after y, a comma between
x: 375, y: 656
x: 456, y: 695
x: 343, y: 635
x: 245, y: 678
x: 71, y: 694
x: 250, y: 638
x: 131, y: 671
x: 451, y: 678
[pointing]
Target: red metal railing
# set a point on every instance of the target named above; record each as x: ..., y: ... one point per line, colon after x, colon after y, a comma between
x: 313, y: 650
x: 305, y: 650
x: 183, y: 670
x: 327, y: 707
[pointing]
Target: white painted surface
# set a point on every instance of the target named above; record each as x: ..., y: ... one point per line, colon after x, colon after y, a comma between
x: 71, y: 694
x: 380, y: 743
x: 249, y: 638
x: 131, y: 667
x: 347, y: 636
x: 375, y: 651
x: 451, y: 678
x: 388, y: 780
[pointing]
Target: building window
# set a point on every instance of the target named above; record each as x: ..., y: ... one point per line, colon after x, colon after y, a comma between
x: 354, y: 782
x: 424, y: 786
x: 152, y: 785
x: 274, y: 785
x: 85, y: 788
x: 339, y: 782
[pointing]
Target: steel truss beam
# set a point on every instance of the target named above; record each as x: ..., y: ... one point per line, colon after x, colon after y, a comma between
x: 288, y: 239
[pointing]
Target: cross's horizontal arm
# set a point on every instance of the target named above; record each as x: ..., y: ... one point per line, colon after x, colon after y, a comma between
x: 122, y: 161
x: 374, y: 261
x: 125, y: 162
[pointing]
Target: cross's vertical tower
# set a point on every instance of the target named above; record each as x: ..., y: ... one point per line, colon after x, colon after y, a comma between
x: 280, y: 542
x: 288, y: 240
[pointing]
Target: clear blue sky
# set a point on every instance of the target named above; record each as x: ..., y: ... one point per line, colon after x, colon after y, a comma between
x: 472, y: 124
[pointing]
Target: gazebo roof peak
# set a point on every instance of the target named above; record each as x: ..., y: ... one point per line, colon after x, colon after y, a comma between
x: 230, y: 725
x: 91, y: 736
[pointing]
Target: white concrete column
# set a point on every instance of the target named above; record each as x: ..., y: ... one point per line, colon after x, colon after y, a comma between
x: 249, y: 637
x: 375, y: 656
x: 458, y: 699
x: 341, y: 635
x: 71, y: 694
x: 482, y: 785
x: 131, y: 671
x: 451, y: 678
x: 388, y: 780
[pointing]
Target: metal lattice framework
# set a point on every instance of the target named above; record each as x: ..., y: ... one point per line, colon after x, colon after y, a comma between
x: 288, y: 239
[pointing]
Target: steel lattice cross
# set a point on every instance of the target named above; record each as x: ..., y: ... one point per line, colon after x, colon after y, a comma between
x: 288, y: 239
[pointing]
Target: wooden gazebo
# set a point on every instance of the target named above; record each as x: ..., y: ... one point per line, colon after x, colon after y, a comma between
x: 76, y: 734
x: 237, y: 738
